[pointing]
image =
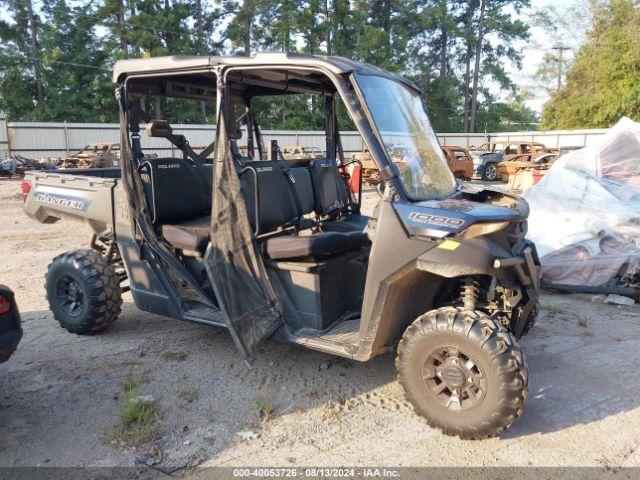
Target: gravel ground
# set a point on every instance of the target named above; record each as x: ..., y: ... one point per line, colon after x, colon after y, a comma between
x: 60, y: 393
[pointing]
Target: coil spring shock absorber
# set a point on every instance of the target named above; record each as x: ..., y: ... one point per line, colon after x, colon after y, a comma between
x: 469, y: 293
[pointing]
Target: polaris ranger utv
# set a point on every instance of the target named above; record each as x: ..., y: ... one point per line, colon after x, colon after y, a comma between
x: 270, y: 247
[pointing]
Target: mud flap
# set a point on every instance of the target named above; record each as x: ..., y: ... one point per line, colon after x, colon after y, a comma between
x: 252, y: 309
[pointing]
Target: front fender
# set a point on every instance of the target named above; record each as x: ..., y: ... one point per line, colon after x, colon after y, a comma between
x: 456, y: 258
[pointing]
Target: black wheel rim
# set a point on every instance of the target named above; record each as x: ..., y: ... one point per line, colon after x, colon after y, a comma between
x: 70, y: 295
x: 453, y: 378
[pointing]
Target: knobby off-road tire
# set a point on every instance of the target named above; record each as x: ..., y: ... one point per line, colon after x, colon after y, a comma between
x: 83, y: 291
x: 470, y: 362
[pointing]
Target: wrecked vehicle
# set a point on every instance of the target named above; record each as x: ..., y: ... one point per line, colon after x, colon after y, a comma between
x: 521, y: 174
x: 16, y: 165
x: 296, y: 152
x: 519, y: 163
x: 488, y: 156
x: 460, y: 161
x: 94, y: 155
x: 584, y: 216
x: 274, y: 249
x: 370, y: 172
x: 11, y: 167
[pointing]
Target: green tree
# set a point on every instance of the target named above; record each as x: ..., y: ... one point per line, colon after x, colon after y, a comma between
x: 603, y: 83
x: 53, y: 66
x: 76, y: 67
x: 55, y: 55
x: 21, y: 89
x: 490, y: 32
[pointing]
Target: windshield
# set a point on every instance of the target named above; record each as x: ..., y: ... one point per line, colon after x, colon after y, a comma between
x: 408, y: 137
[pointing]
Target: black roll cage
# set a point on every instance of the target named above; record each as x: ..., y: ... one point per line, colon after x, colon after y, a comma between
x: 342, y: 86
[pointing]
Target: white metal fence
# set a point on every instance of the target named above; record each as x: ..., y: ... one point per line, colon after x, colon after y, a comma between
x: 37, y: 139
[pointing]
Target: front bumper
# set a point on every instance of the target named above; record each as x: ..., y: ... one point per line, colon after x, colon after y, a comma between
x: 526, y: 265
x: 527, y: 268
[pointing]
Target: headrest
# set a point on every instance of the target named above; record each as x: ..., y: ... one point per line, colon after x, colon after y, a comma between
x: 159, y: 128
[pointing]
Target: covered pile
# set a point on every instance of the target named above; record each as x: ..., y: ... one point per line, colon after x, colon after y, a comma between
x: 585, y: 213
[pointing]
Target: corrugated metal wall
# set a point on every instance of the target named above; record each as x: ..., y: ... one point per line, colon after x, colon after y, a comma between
x: 34, y: 139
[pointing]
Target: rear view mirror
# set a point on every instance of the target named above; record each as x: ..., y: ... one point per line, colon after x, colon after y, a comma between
x: 159, y: 128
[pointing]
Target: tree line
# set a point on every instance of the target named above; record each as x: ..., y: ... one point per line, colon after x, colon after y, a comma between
x: 56, y: 55
x: 603, y: 81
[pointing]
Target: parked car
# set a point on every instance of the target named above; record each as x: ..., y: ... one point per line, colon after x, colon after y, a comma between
x: 460, y: 161
x: 487, y: 156
x: 10, y: 324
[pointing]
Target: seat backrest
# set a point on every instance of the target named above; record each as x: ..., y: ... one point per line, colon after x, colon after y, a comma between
x: 303, y: 188
x: 176, y: 190
x: 330, y: 192
x: 206, y: 172
x: 275, y: 203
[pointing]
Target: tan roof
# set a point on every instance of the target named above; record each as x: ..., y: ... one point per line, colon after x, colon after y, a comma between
x: 177, y: 63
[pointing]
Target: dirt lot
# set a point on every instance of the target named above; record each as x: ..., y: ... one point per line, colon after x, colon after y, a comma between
x: 60, y: 393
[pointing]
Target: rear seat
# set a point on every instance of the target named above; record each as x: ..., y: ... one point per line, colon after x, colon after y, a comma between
x: 192, y: 235
x: 179, y: 196
x: 183, y: 214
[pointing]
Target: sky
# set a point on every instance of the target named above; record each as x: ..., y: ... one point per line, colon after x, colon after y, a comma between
x: 534, y: 50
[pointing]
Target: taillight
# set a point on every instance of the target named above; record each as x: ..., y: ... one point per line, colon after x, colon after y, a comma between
x: 26, y: 188
x: 5, y: 305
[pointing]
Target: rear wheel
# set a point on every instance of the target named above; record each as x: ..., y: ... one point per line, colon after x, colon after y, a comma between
x: 83, y: 291
x: 463, y: 372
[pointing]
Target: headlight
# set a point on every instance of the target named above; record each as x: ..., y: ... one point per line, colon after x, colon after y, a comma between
x: 479, y: 229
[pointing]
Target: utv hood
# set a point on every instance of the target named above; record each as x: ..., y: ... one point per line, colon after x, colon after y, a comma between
x: 451, y: 216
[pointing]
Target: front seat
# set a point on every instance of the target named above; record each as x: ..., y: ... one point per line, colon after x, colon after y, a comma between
x: 315, y: 246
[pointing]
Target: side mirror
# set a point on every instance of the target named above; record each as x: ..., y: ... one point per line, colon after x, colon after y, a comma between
x: 159, y: 128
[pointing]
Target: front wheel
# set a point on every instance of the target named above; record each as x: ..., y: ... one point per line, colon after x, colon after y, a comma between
x: 490, y: 173
x: 463, y: 372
